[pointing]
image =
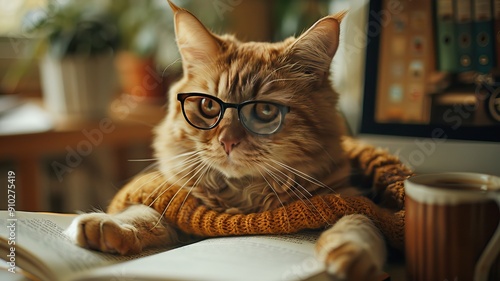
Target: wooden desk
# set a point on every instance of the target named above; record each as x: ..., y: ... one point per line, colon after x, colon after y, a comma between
x: 75, y: 140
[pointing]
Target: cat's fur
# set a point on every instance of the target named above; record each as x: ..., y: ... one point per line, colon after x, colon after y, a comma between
x: 232, y: 170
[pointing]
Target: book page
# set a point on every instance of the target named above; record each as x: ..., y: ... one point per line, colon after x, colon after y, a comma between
x: 42, y: 249
x: 283, y: 257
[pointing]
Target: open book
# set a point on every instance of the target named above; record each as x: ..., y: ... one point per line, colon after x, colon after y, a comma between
x: 34, y: 243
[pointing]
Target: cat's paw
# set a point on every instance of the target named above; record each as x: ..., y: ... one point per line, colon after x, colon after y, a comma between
x: 351, y: 262
x: 353, y: 249
x: 103, y: 232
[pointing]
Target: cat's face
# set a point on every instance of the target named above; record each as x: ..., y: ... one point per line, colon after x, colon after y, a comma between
x: 293, y: 73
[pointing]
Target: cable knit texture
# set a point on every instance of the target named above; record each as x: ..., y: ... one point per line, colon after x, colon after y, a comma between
x: 377, y: 169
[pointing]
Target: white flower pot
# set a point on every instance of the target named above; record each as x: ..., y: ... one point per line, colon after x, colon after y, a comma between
x: 78, y: 87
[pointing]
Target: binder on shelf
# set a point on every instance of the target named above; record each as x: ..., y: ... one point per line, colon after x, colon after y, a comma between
x: 446, y: 45
x: 463, y: 35
x: 407, y: 59
x: 483, y: 36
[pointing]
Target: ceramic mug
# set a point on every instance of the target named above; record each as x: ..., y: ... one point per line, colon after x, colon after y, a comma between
x: 452, y: 228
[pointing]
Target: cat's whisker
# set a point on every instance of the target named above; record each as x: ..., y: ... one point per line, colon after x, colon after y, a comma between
x: 168, y: 66
x: 197, y: 171
x: 275, y: 193
x: 142, y: 160
x: 155, y: 177
x: 188, y: 163
x: 282, y: 80
x: 159, y: 174
x: 138, y: 178
x: 206, y: 167
x: 190, y: 171
x: 291, y: 188
x: 169, y: 202
x: 291, y: 183
x: 297, y: 185
x: 299, y: 173
x: 187, y: 168
x: 275, y: 71
x: 302, y: 175
x: 187, y: 194
x: 160, y: 186
x: 150, y: 167
x: 190, y: 154
x: 282, y: 183
x: 203, y: 65
x: 188, y: 157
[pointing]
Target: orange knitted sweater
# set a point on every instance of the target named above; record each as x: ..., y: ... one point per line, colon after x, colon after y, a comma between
x: 378, y: 170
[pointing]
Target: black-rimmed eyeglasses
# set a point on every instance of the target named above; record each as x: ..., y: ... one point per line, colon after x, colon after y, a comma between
x: 205, y: 112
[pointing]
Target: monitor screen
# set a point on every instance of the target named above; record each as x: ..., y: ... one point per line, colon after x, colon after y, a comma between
x: 432, y: 70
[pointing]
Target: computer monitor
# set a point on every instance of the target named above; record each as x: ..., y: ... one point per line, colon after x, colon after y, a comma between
x: 434, y: 116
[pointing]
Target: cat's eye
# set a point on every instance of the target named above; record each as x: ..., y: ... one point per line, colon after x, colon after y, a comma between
x: 209, y: 108
x: 264, y: 112
x: 204, y: 112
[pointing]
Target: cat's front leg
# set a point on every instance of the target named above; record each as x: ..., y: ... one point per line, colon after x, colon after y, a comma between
x: 127, y: 232
x: 353, y: 249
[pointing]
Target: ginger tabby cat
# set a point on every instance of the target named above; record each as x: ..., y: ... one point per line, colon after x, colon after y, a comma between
x: 250, y: 127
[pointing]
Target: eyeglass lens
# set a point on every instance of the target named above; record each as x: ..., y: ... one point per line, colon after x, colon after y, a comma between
x: 202, y: 112
x: 259, y: 117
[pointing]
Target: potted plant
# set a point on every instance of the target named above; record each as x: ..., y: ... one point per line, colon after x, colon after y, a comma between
x: 142, y: 25
x: 77, y: 70
x: 144, y: 36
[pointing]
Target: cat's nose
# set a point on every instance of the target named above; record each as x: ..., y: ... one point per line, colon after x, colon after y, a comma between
x: 230, y: 137
x: 229, y: 144
x: 231, y: 133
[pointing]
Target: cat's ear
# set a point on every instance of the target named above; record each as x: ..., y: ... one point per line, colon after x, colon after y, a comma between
x: 315, y: 48
x: 196, y: 44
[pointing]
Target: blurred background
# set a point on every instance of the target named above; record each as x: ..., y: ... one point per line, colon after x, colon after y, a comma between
x: 84, y: 82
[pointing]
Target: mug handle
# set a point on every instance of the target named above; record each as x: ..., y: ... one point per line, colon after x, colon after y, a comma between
x: 491, y: 251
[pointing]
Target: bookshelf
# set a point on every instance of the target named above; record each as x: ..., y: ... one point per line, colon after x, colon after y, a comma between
x: 414, y: 83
